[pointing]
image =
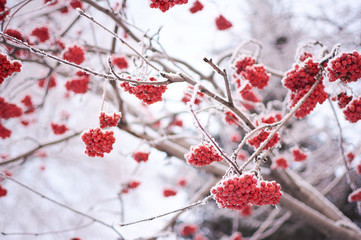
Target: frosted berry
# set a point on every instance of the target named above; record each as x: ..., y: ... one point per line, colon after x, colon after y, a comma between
x: 3, y: 191
x: 243, y: 62
x: 149, y: 94
x: 271, y: 118
x: 59, y: 129
x: 169, y: 192
x: 236, y: 236
x: 78, y: 85
x: 298, y: 155
x: 247, y: 211
x: 304, y: 56
x: 4, y: 132
x: 222, y: 23
x: 141, y: 156
x: 187, y: 229
x: 346, y: 67
x: 27, y: 101
x: 355, y: 196
x: 257, y: 76
x: 52, y: 82
x: 98, y: 142
x: 41, y: 33
x: 280, y: 162
x: 120, y: 62
x: 74, y: 54
x: 164, y: 5
x: 133, y: 184
x: 250, y: 96
x: 107, y: 120
x: 203, y: 154
x: 76, y: 4
x: 350, y: 156
x: 4, y: 11
x: 231, y: 118
x: 343, y: 99
x: 9, y: 110
x: 261, y: 137
x: 7, y: 67
x: 353, y: 111
x: 197, y: 6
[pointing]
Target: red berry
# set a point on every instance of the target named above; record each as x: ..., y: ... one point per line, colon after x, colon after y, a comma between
x: 168, y: 192
x: 59, y: 129
x: 256, y: 75
x: 298, y: 155
x: 7, y: 67
x: 78, y: 85
x: 9, y: 110
x: 280, y: 163
x: 231, y: 118
x: 98, y: 142
x: 187, y: 229
x: 164, y: 5
x: 3, y: 191
x: 346, y: 67
x: 261, y: 137
x: 243, y: 62
x: 141, y: 156
x: 74, y: 54
x: 43, y: 82
x: 350, y: 156
x: 4, y: 132
x: 203, y: 154
x: 355, y: 196
x: 107, y: 120
x: 343, y: 99
x: 236, y: 236
x: 222, y: 23
x: 353, y: 111
x: 120, y: 62
x: 247, y: 211
x: 188, y: 95
x: 182, y: 182
x: 197, y: 6
x: 133, y: 184
x: 41, y: 33
x: 76, y: 4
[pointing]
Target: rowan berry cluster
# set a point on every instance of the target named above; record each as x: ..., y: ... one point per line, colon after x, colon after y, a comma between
x: 74, y: 54
x: 272, y: 118
x: 243, y: 63
x: 343, y: 99
x: 120, y: 62
x: 304, y: 56
x: 4, y: 11
x: 350, y: 156
x: 4, y: 132
x: 59, y: 129
x: 78, y: 85
x: 3, y: 191
x: 76, y: 4
x: 231, y: 118
x: 280, y: 162
x: 141, y: 156
x: 247, y: 211
x: 346, y: 67
x: 197, y: 6
x: 250, y: 96
x: 27, y: 101
x: 16, y: 34
x: 164, y: 5
x: 203, y: 154
x: 355, y: 196
x: 261, y: 137
x: 7, y: 67
x: 236, y: 236
x: 98, y: 142
x: 41, y: 33
x: 149, y: 94
x: 188, y: 95
x: 237, y: 192
x: 187, y: 229
x: 353, y: 111
x: 257, y: 76
x: 131, y: 185
x: 169, y: 192
x: 107, y: 120
x: 298, y: 155
x: 222, y: 23
x: 9, y: 110
x: 52, y: 82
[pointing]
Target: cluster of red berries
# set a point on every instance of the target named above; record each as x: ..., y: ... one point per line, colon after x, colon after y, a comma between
x: 141, y: 156
x: 188, y: 229
x: 304, y: 56
x: 298, y: 155
x: 231, y: 118
x: 52, y: 82
x: 243, y: 63
x: 7, y: 67
x: 41, y: 33
x: 74, y: 54
x: 3, y: 191
x: 9, y: 110
x: 280, y: 162
x: 236, y: 236
x: 203, y: 154
x: 4, y: 132
x: 346, y: 67
x: 188, y: 95
x: 98, y: 142
x: 257, y: 76
x: 78, y: 85
x: 343, y: 99
x: 300, y: 80
x: 169, y: 192
x: 355, y: 196
x: 222, y: 23
x: 247, y: 211
x: 149, y: 94
x: 272, y: 118
x: 164, y: 5
x: 120, y: 62
x: 261, y: 137
x: 131, y: 185
x: 76, y: 4
x: 4, y: 11
x: 250, y: 96
x: 27, y: 101
x: 197, y: 6
x: 353, y: 111
x: 350, y: 156
x: 59, y: 129
x: 18, y: 35
x: 237, y: 192
x: 106, y: 120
